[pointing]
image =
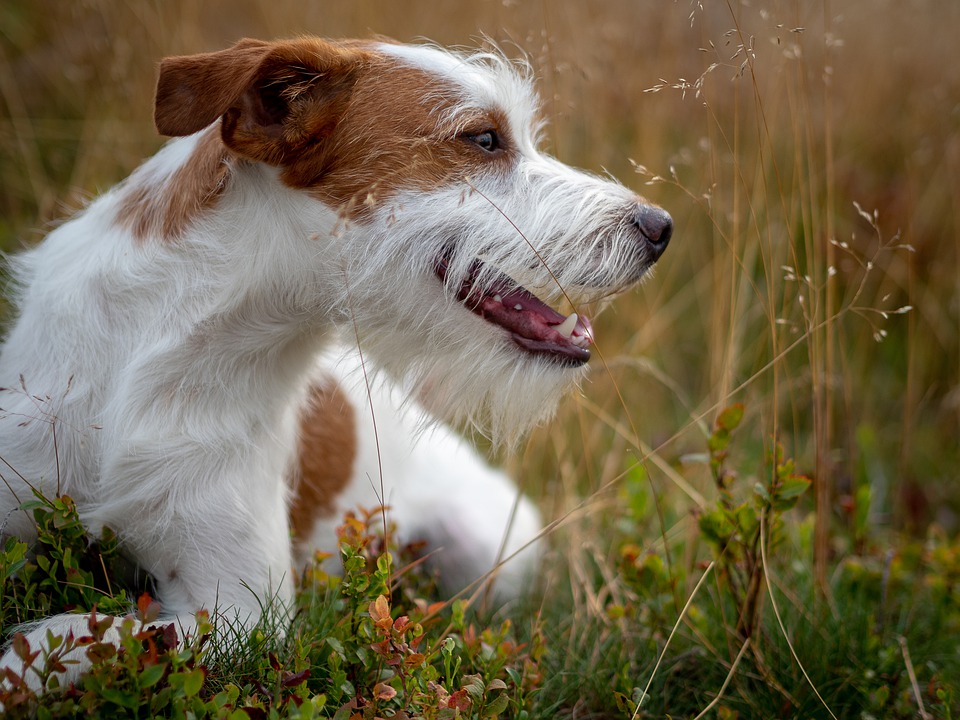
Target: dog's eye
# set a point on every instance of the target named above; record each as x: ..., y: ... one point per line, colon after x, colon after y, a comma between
x: 489, y: 140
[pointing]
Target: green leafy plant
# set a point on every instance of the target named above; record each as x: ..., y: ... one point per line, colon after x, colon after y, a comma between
x: 733, y: 526
x: 67, y: 570
x: 348, y: 653
x: 385, y: 663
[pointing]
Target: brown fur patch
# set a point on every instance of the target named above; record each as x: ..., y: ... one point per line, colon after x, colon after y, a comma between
x: 327, y: 452
x: 396, y: 133
x: 350, y: 124
x: 166, y: 210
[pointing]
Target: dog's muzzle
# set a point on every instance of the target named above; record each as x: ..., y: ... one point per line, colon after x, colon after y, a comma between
x: 532, y: 324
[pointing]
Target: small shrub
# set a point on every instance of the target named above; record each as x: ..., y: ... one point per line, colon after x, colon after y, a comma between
x: 349, y: 652
x: 67, y: 569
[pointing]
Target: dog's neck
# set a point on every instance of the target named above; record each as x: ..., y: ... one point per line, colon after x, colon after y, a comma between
x: 243, y: 256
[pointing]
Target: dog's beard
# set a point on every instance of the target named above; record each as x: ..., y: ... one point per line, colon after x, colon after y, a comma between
x: 414, y: 321
x: 468, y: 378
x: 460, y: 367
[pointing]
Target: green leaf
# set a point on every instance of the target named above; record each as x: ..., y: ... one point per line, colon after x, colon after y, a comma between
x: 863, y: 497
x: 457, y: 613
x: 190, y: 682
x: 630, y: 704
x: 719, y: 441
x: 65, y: 519
x: 785, y: 470
x: 336, y: 646
x: 473, y: 684
x: 746, y: 519
x: 151, y: 675
x: 124, y: 699
x: 716, y: 526
x: 623, y: 703
x: 793, y: 487
x: 317, y: 702
x: 789, y: 492
x: 497, y: 706
x: 730, y: 418
x: 637, y: 491
x: 227, y: 697
x: 53, y: 640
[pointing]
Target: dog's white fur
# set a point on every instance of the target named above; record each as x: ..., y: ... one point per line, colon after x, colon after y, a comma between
x: 434, y: 486
x: 156, y: 373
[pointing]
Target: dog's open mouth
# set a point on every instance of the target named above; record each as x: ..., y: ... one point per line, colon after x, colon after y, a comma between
x: 531, y: 323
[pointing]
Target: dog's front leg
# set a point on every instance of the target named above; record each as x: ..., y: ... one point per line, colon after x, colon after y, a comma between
x: 212, y: 530
x: 216, y: 540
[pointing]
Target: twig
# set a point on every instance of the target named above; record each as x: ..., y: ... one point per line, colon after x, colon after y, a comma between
x: 913, y: 678
x: 733, y: 669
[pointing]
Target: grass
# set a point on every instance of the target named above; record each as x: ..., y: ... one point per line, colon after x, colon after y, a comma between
x: 347, y: 650
x: 809, y: 154
x: 726, y: 634
x: 758, y: 637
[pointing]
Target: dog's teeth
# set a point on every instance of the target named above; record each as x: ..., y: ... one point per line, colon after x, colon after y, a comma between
x: 566, y: 327
x: 498, y: 298
x: 518, y: 307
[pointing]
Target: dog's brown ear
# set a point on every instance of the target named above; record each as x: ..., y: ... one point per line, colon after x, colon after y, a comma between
x: 194, y: 90
x: 273, y: 97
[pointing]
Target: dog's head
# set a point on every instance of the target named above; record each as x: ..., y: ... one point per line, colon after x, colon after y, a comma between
x: 456, y: 240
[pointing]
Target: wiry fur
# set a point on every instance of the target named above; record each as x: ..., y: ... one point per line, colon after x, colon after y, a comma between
x: 469, y: 516
x: 165, y: 343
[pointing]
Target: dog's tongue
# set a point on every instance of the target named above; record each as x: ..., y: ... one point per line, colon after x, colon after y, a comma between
x: 532, y: 324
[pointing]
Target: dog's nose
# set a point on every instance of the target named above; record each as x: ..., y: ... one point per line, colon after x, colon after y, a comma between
x: 656, y: 226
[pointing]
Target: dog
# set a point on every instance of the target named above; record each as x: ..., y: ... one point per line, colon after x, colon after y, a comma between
x: 160, y: 369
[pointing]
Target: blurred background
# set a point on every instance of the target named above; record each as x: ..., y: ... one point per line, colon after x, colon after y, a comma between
x: 808, y: 152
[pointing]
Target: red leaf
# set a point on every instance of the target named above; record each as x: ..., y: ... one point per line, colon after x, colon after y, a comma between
x: 382, y: 648
x: 294, y: 679
x: 97, y: 625
x: 148, y: 608
x: 100, y: 651
x: 414, y: 659
x: 21, y: 646
x: 168, y: 638
x: 459, y: 700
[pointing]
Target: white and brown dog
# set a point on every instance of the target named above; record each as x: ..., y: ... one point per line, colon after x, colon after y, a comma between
x: 163, y: 367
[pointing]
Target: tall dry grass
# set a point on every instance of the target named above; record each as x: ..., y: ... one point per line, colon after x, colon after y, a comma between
x: 758, y: 125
